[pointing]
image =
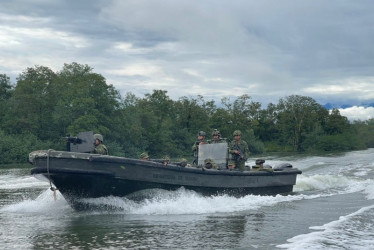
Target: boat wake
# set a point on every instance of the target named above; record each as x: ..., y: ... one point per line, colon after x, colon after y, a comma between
x: 353, y: 231
x: 182, y: 201
x: 45, y: 203
x: 158, y: 202
x: 185, y: 201
x: 329, y: 182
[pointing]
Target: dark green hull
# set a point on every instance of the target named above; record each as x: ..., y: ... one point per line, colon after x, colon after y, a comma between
x: 80, y: 175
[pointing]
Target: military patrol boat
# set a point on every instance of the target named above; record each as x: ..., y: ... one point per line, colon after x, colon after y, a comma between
x: 78, y: 174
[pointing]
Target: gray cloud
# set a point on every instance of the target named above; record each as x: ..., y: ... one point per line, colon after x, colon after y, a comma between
x: 267, y: 49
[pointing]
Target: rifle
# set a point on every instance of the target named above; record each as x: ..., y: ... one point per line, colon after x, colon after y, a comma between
x: 241, y: 155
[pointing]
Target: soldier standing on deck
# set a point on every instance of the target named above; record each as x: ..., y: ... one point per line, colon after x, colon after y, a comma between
x: 217, y: 137
x: 239, y: 150
x: 195, y: 148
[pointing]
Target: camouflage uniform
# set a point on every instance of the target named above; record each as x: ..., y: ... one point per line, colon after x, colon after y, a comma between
x: 210, y: 164
x: 100, y: 148
x: 195, y: 147
x: 183, y: 162
x: 241, y: 146
x: 231, y: 164
x: 260, y: 166
x: 219, y: 140
x: 144, y: 156
x: 165, y: 160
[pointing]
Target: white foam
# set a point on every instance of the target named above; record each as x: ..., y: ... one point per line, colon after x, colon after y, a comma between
x: 353, y: 231
x: 369, y: 190
x: 321, y: 182
x: 44, y: 203
x: 188, y: 202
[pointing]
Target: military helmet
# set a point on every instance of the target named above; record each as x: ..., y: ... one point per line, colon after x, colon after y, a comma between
x: 99, y: 137
x: 202, y: 133
x: 231, y: 163
x: 216, y: 132
x: 260, y: 161
x: 237, y: 132
x: 144, y: 155
x: 184, y: 160
x: 208, y: 160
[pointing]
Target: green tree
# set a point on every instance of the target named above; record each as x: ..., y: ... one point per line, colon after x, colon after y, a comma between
x: 336, y: 123
x: 157, y: 119
x: 86, y: 101
x: 190, y: 118
x: 6, y: 91
x: 267, y: 129
x: 32, y: 102
x: 364, y: 132
x: 191, y: 115
x: 242, y: 114
x: 297, y: 117
x: 5, y: 87
x: 128, y: 130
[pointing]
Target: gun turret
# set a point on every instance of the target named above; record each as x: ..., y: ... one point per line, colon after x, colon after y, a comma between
x: 83, y: 143
x: 74, y: 140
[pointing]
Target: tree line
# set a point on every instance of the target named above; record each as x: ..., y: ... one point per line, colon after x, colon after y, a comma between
x: 43, y: 106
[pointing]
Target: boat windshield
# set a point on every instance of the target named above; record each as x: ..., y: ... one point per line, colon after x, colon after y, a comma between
x: 218, y: 152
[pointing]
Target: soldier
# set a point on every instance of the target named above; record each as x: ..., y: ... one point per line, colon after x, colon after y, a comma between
x: 195, y: 148
x: 231, y: 165
x: 100, y: 148
x: 183, y: 162
x: 209, y: 164
x: 239, y: 150
x: 165, y: 160
x: 217, y: 137
x: 260, y: 166
x: 144, y: 156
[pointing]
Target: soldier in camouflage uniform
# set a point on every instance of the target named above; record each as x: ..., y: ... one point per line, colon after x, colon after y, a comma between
x: 183, y: 162
x: 210, y: 164
x: 239, y: 150
x: 100, y: 148
x: 217, y: 137
x: 165, y: 160
x: 260, y: 166
x: 144, y: 156
x: 195, y: 148
x: 231, y: 165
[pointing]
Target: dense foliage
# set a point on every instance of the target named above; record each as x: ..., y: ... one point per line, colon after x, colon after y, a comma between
x: 44, y: 106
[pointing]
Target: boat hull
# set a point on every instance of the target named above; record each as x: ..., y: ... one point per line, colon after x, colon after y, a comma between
x: 80, y: 175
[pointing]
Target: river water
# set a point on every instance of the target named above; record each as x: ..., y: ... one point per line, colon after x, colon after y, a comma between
x: 332, y: 207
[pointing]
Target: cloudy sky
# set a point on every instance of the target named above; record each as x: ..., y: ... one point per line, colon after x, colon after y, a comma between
x: 215, y: 48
